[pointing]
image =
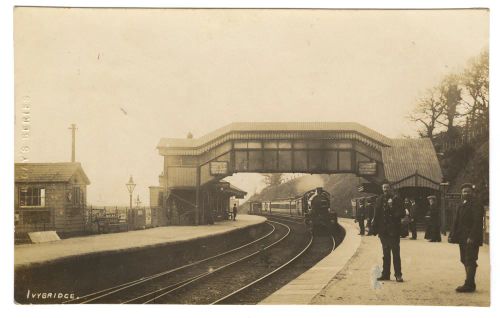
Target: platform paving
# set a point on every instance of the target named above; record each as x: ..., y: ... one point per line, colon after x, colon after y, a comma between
x: 29, y: 254
x: 431, y: 272
x: 347, y: 276
x: 304, y: 288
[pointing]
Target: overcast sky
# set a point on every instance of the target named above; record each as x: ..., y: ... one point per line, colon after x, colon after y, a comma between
x: 128, y: 77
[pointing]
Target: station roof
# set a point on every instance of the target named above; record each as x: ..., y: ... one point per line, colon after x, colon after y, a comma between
x: 233, y: 190
x: 273, y: 127
x: 48, y: 172
x: 240, y: 194
x: 412, y: 157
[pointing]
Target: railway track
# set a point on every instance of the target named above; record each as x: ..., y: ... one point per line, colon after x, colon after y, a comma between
x: 254, y: 292
x: 288, y: 218
x: 121, y: 293
x: 222, y: 278
x: 248, y: 275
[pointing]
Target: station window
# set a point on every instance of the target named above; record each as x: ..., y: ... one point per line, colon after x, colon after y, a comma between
x: 241, y: 160
x: 271, y: 144
x: 285, y: 160
x: 255, y: 161
x: 331, y: 158
x: 300, y: 160
x: 315, y: 159
x: 31, y: 196
x: 77, y: 196
x: 270, y: 160
x: 285, y: 145
x: 345, y: 161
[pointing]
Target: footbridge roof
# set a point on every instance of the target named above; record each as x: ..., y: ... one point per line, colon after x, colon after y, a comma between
x: 274, y: 127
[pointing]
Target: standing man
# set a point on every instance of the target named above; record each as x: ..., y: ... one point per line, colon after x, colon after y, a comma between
x: 405, y: 223
x: 235, y: 211
x: 413, y: 219
x: 434, y: 220
x: 387, y: 224
x: 361, y: 215
x: 370, y: 211
x: 467, y: 232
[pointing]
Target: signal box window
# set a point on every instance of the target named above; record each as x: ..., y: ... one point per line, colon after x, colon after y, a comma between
x: 31, y: 196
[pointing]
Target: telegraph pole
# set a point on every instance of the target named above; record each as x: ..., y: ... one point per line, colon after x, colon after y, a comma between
x: 73, y: 138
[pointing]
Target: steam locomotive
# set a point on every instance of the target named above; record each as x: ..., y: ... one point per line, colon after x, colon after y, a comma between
x: 313, y: 206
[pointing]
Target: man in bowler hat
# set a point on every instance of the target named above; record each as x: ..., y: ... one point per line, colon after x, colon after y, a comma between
x: 387, y: 224
x: 467, y: 232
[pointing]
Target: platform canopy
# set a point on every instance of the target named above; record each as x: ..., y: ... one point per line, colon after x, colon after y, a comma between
x: 412, y: 163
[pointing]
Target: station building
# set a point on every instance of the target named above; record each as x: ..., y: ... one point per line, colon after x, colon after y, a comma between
x: 49, y: 197
x: 176, y: 207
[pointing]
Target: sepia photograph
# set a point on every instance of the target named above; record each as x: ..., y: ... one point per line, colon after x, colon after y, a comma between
x: 251, y: 156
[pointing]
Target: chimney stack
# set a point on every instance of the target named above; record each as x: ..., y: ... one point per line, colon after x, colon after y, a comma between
x: 73, y: 137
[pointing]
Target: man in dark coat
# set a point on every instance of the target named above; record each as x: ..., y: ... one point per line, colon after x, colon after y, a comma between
x: 434, y: 220
x: 361, y: 215
x: 370, y: 211
x: 467, y: 232
x: 405, y: 223
x: 413, y: 219
x: 387, y: 224
x: 235, y: 211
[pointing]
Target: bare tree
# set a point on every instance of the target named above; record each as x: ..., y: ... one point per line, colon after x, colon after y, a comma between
x: 272, y: 179
x: 476, y: 83
x: 429, y: 112
x: 450, y: 98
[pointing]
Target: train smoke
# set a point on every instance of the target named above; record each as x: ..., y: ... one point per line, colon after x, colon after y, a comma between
x: 309, y: 182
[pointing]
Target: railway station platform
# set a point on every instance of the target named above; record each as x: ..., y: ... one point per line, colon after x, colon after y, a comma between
x: 31, y: 254
x: 431, y: 272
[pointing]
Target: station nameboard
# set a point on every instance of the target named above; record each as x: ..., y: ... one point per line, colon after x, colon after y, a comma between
x: 219, y: 168
x: 367, y: 168
x: 453, y: 196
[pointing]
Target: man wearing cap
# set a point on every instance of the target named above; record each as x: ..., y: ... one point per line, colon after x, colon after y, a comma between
x: 467, y: 232
x: 434, y: 220
x: 361, y: 215
x: 387, y: 224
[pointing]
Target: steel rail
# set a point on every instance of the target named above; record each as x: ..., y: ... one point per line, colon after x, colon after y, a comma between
x: 271, y: 273
x: 287, y: 218
x: 114, y: 289
x: 169, y: 289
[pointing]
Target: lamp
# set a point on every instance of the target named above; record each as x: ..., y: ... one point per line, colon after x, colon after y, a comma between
x: 443, y: 187
x: 130, y: 187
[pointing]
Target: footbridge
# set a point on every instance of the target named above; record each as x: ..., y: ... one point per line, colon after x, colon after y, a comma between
x: 195, y: 165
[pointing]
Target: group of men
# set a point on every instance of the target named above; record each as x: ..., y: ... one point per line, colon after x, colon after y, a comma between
x: 366, y: 209
x: 390, y: 212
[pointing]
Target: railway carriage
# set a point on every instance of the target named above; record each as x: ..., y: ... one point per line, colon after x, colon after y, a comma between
x: 283, y: 207
x: 255, y: 207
